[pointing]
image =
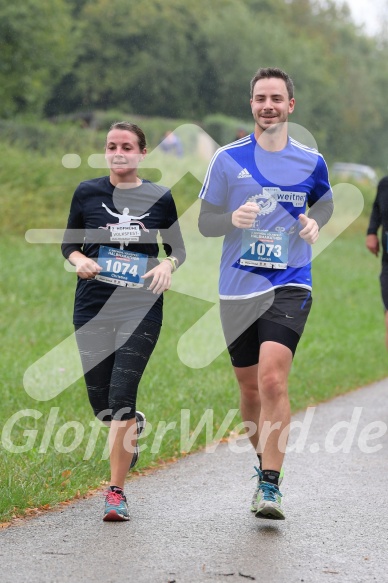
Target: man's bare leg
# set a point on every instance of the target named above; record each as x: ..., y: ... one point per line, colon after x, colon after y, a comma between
x: 247, y: 378
x: 273, y: 371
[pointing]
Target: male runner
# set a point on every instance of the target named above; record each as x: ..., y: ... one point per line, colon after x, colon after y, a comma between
x: 255, y: 194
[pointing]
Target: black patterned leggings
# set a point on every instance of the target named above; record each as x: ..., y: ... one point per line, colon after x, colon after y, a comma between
x: 114, y: 357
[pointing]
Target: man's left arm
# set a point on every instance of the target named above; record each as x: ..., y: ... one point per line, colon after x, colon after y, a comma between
x: 321, y: 206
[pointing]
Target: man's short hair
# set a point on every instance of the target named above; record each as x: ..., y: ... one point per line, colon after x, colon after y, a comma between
x: 270, y: 72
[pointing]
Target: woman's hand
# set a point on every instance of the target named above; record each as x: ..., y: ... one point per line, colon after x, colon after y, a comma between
x: 161, y: 277
x: 85, y: 267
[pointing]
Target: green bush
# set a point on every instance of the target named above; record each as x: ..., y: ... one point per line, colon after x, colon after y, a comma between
x: 223, y: 129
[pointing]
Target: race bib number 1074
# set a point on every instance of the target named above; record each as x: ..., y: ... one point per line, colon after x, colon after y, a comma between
x: 120, y: 267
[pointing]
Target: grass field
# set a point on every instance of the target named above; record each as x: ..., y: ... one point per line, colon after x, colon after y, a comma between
x: 52, y: 450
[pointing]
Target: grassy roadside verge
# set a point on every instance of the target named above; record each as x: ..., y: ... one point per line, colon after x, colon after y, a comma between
x: 342, y: 348
x: 50, y: 450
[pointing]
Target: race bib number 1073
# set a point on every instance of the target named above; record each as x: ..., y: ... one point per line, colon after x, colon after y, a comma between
x: 267, y: 249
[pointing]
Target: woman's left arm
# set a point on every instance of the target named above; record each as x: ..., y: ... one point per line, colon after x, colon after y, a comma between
x: 175, y: 252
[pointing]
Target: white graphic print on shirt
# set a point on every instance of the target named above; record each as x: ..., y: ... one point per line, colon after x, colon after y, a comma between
x: 127, y: 229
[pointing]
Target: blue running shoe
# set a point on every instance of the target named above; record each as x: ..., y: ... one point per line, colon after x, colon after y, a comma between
x: 116, y: 508
x: 141, y: 423
x: 269, y: 502
x: 259, y: 477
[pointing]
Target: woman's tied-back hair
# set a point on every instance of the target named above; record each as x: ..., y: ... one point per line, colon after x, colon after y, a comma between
x: 130, y: 127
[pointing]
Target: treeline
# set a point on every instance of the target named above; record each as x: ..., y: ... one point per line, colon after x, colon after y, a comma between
x: 191, y: 58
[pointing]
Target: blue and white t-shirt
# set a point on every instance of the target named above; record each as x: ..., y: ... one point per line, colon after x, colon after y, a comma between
x: 284, y: 184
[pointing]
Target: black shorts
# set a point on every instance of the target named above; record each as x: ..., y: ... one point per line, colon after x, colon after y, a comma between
x: 384, y: 284
x: 277, y: 316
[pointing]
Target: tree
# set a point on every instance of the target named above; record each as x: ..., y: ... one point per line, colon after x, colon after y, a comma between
x: 181, y: 59
x: 136, y: 56
x: 36, y: 50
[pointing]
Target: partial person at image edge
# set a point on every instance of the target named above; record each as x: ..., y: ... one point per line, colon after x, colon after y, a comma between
x: 379, y: 218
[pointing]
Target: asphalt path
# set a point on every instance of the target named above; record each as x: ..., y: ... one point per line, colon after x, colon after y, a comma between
x: 191, y: 523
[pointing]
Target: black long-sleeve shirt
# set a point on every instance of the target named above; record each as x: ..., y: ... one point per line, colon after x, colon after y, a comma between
x: 379, y: 216
x: 97, y: 211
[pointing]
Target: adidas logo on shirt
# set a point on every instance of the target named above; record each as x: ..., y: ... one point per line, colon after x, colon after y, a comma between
x: 244, y: 174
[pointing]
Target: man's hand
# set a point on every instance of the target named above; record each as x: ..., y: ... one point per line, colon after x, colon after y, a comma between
x: 372, y: 243
x: 244, y: 217
x: 310, y: 230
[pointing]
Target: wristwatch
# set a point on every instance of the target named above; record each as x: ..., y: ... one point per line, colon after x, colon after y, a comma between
x: 174, y: 262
